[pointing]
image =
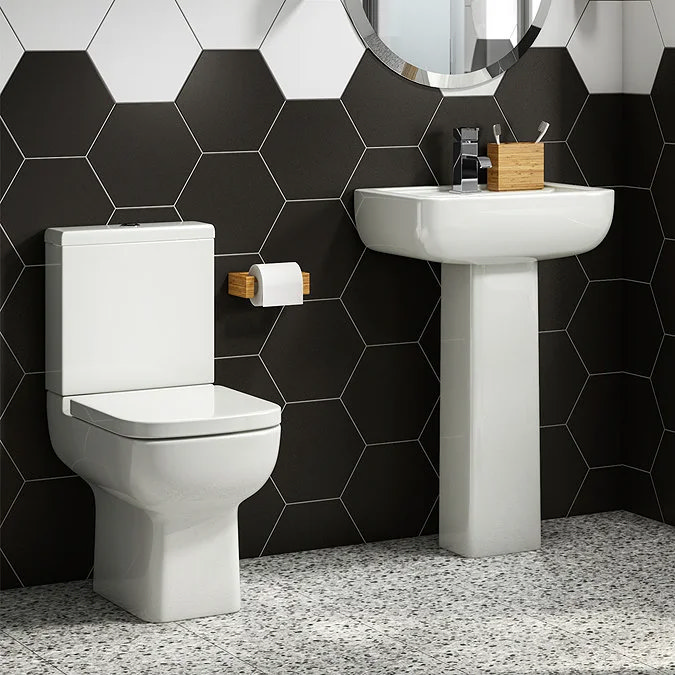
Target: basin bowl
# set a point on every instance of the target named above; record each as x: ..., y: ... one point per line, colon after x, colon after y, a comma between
x: 482, y: 228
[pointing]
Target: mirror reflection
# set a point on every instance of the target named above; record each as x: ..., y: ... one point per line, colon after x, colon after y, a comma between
x: 451, y: 36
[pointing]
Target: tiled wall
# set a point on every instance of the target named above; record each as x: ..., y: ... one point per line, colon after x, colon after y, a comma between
x: 261, y: 117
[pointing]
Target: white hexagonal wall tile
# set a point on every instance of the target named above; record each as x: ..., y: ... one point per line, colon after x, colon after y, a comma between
x: 46, y: 24
x: 665, y: 15
x: 11, y: 51
x: 485, y: 89
x: 642, y: 47
x: 312, y: 49
x: 562, y: 18
x: 144, y: 50
x: 596, y: 46
x: 230, y: 24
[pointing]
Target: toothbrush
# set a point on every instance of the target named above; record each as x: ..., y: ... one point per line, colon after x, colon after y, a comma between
x: 543, y: 128
x: 497, y: 130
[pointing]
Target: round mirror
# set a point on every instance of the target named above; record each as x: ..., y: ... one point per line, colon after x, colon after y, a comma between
x: 448, y: 44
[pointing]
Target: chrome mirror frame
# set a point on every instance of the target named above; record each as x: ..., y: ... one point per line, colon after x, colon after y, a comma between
x: 441, y: 80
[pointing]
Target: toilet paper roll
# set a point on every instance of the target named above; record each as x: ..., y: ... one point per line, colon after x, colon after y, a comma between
x: 277, y: 284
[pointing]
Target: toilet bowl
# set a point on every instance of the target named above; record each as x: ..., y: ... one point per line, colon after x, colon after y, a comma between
x: 168, y: 454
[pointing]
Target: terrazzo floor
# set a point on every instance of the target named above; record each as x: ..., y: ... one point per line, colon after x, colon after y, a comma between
x: 597, y: 599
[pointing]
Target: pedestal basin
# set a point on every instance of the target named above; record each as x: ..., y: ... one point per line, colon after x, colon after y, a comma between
x: 479, y: 228
x: 489, y: 244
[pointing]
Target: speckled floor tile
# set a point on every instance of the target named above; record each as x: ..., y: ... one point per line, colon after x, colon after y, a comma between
x: 597, y: 599
x: 329, y: 645
x: 18, y: 660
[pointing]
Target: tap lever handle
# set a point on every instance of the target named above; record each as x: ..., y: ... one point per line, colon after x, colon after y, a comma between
x: 469, y: 134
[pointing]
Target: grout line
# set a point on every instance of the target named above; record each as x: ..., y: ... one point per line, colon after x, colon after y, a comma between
x: 16, y: 574
x: 98, y: 133
x: 356, y: 463
x: 356, y: 426
x: 16, y: 35
x: 18, y: 276
x: 201, y: 46
x: 103, y: 187
x: 98, y: 28
x: 577, y: 446
x: 281, y: 192
x: 358, y: 529
x: 426, y: 520
x: 274, y: 527
x: 581, y: 485
x: 267, y: 370
x: 351, y: 176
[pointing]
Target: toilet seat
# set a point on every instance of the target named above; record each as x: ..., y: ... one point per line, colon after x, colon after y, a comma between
x: 176, y: 412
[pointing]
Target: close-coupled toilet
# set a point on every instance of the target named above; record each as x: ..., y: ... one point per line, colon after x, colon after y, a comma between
x: 133, y: 410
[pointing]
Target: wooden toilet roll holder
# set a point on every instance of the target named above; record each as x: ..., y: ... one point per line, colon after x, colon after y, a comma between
x: 243, y: 284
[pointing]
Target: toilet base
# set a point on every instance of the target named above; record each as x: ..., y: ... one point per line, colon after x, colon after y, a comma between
x: 166, y: 567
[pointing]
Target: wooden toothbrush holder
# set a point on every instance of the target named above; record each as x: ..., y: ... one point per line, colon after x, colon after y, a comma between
x: 516, y: 166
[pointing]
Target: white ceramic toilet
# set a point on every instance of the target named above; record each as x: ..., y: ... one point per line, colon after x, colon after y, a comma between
x: 133, y: 410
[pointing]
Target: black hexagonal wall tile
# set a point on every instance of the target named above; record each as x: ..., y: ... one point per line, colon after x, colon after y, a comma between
x: 10, y: 375
x: 247, y: 374
x: 241, y: 328
x: 25, y: 435
x: 22, y: 319
x: 319, y: 450
x: 641, y: 331
x: 662, y: 189
x: 632, y: 245
x: 560, y: 165
x: 8, y: 578
x: 662, y: 94
x: 430, y: 438
x: 561, y: 285
x: 662, y: 474
x: 596, y: 420
x: 311, y: 525
x: 61, y: 517
x: 257, y: 516
x: 312, y: 350
x: 243, y: 100
x: 596, y: 327
x: 562, y: 471
x: 640, y: 159
x: 550, y: 83
x: 144, y: 154
x: 374, y: 91
x: 561, y: 377
x: 388, y: 167
x: 392, y: 393
x: 598, y: 140
x: 461, y: 111
x: 312, y: 149
x: 321, y: 238
x: 149, y: 214
x: 10, y: 158
x: 640, y: 493
x: 51, y: 193
x: 602, y: 490
x: 385, y: 306
x: 10, y: 266
x: 641, y: 427
x: 10, y: 482
x: 236, y: 193
x: 663, y: 284
x: 55, y: 103
x: 406, y: 486
x: 431, y: 340
x: 662, y: 377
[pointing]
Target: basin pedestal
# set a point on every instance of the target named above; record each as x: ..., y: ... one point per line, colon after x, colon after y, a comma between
x: 489, y: 452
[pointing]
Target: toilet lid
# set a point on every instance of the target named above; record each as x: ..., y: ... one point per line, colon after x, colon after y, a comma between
x: 176, y: 412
